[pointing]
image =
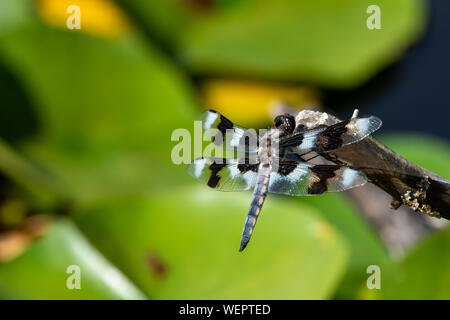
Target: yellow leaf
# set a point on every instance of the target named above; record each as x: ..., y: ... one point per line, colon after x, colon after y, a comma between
x: 97, y: 17
x: 251, y: 102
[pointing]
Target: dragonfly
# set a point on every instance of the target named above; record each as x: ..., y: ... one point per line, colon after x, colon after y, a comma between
x: 277, y: 161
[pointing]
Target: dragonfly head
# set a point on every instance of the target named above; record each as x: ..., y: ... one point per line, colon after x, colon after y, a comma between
x: 285, y: 123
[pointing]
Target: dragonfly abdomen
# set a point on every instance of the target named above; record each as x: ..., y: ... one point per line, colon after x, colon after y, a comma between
x: 259, y: 195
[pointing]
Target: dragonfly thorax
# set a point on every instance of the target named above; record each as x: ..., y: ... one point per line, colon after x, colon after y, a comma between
x: 268, y: 147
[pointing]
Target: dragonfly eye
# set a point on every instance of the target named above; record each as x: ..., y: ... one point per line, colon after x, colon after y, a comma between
x: 289, y: 123
x: 278, y: 121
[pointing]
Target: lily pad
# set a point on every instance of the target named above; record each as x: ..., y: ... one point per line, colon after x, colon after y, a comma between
x: 184, y: 245
x: 366, y: 247
x: 324, y: 42
x: 43, y: 271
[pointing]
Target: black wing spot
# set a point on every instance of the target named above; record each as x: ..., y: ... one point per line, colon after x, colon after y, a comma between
x: 215, y: 168
x: 223, y: 126
x: 290, y: 141
x: 286, y: 167
x: 245, y: 167
x: 331, y: 137
x: 324, y: 173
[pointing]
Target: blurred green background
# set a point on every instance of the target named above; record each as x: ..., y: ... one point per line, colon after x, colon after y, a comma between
x: 86, y: 177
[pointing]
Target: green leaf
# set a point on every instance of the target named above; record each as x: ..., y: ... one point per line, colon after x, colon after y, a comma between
x: 41, y: 272
x: 325, y: 42
x: 423, y: 274
x: 337, y: 210
x: 107, y: 108
x: 184, y: 245
x: 14, y: 13
x: 366, y: 247
x: 165, y: 19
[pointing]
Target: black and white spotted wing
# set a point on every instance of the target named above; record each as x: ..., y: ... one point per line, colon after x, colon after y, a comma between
x: 301, y: 178
x: 292, y: 178
x: 332, y: 137
x: 224, y: 174
x: 229, y: 135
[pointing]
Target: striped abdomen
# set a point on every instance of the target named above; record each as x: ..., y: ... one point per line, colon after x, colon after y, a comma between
x: 259, y: 195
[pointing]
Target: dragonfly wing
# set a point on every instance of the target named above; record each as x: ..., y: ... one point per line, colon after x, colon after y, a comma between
x: 332, y: 137
x: 224, y: 174
x: 301, y: 179
x: 346, y: 132
x: 228, y: 134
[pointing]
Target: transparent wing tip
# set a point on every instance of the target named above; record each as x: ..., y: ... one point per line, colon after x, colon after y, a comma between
x: 368, y: 125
